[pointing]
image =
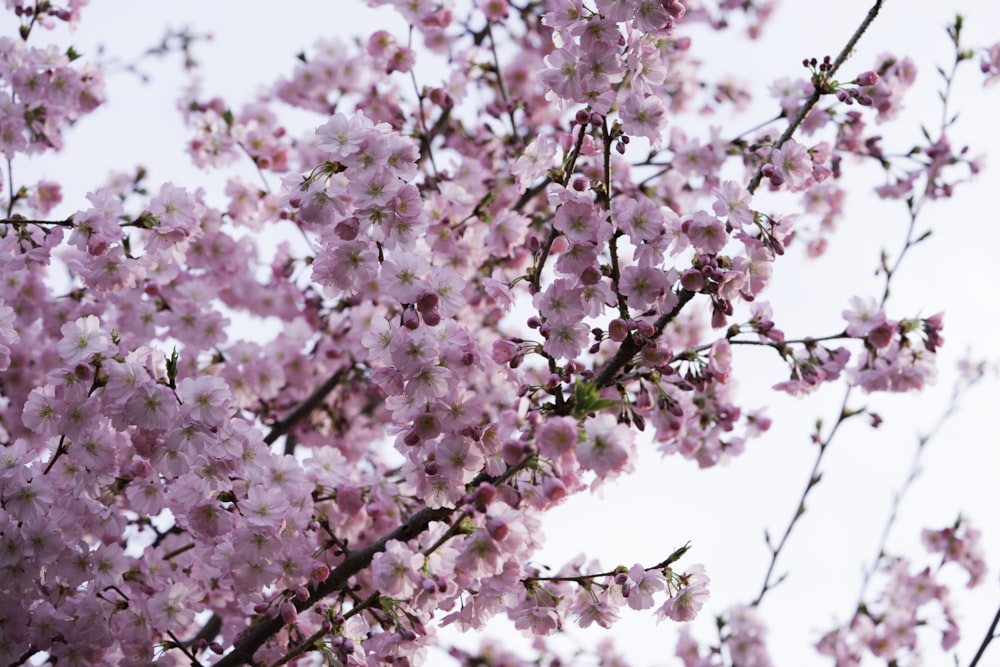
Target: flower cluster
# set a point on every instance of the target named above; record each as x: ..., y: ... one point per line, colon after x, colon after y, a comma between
x: 887, y: 628
x: 477, y: 319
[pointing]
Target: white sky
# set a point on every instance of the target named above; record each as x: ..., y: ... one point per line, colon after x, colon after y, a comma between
x: 667, y: 502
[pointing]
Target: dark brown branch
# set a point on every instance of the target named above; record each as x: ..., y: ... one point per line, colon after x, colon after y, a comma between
x: 68, y: 222
x: 304, y: 408
x: 629, y: 347
x: 991, y: 634
x: 355, y: 562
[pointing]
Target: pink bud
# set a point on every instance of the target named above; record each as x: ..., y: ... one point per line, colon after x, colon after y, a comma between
x: 485, y: 494
x: 553, y: 489
x: 503, y: 351
x: 868, y: 78
x: 320, y: 571
x: 693, y: 280
x: 618, y: 330
x: 428, y: 300
x: 288, y: 613
x: 410, y: 319
x: 497, y: 529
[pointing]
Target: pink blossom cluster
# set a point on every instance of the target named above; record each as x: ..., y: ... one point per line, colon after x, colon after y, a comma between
x: 478, y: 318
x: 887, y: 628
x: 42, y: 93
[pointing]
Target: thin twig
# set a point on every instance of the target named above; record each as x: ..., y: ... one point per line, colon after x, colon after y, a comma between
x: 818, y: 92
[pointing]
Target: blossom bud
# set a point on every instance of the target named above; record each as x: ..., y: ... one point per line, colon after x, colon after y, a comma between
x: 503, y: 351
x: 141, y: 468
x: 590, y: 276
x: 348, y: 646
x: 347, y: 230
x: 512, y: 451
x: 497, y: 528
x: 582, y: 117
x: 484, y: 495
x: 693, y: 280
x: 410, y: 319
x: 881, y: 335
x: 441, y: 98
x: 302, y: 593
x: 288, y: 613
x: 618, y: 330
x: 432, y: 468
x: 553, y: 489
x: 320, y: 571
x: 868, y: 78
x: 428, y: 300
x: 431, y: 317
x: 427, y: 426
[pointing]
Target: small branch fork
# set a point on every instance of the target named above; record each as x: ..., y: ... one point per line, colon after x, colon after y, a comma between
x: 817, y: 92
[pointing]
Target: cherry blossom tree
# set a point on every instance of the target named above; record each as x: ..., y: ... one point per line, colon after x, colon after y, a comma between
x: 319, y: 417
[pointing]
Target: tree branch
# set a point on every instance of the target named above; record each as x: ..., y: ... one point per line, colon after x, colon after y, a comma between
x: 817, y: 92
x: 354, y: 562
x: 304, y: 408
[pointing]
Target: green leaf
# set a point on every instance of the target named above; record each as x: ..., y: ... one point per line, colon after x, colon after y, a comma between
x: 172, y: 369
x: 587, y: 399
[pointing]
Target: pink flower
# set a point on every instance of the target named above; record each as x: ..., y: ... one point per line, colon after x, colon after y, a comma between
x: 643, y: 584
x: 207, y: 398
x: 640, y: 218
x: 733, y: 201
x: 865, y: 316
x: 794, y: 164
x: 395, y: 570
x: 578, y: 220
x: 556, y: 436
x: 990, y: 65
x: 644, y: 116
x: 42, y: 411
x: 402, y: 277
x: 566, y: 340
x: 264, y: 507
x: 534, y: 162
x: 642, y: 285
x: 606, y: 447
x: 561, y: 302
x: 342, y: 135
x: 84, y: 339
x: 705, y: 232
x: 688, y: 601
